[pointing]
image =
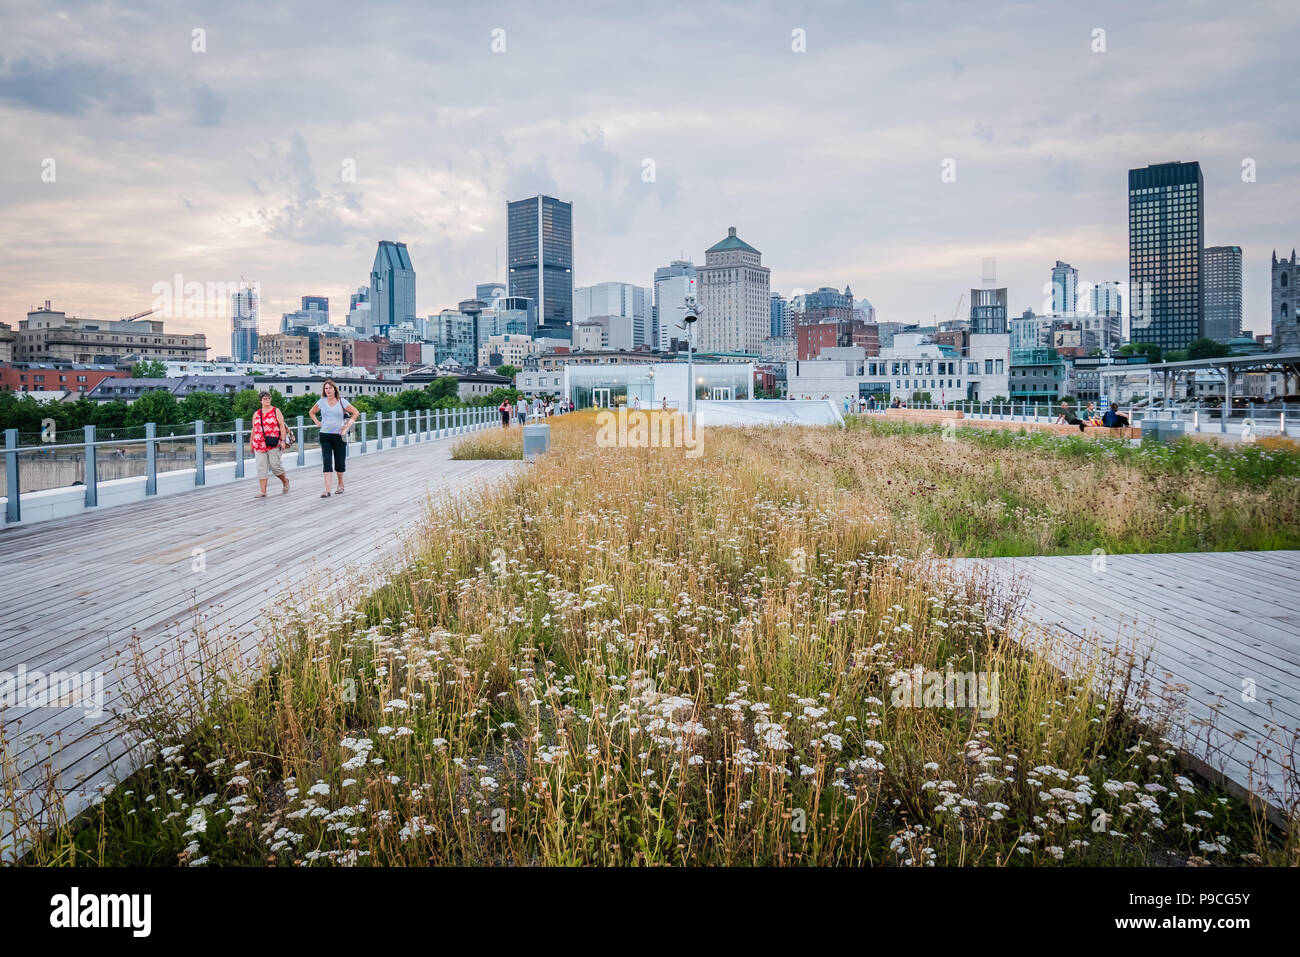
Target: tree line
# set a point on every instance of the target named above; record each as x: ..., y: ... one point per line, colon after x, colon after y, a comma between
x: 26, y: 414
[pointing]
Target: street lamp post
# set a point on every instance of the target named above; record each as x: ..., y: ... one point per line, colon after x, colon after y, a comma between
x: 689, y: 319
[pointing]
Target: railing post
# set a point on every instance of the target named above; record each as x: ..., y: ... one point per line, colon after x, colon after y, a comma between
x: 150, y: 458
x: 239, y: 448
x: 13, y: 511
x: 91, y: 474
x: 199, y: 477
x: 365, y: 429
x: 406, y: 426
x: 302, y: 444
x: 392, y: 420
x: 419, y: 425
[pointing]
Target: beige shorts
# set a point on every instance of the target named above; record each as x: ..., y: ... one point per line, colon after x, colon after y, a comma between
x: 268, y: 461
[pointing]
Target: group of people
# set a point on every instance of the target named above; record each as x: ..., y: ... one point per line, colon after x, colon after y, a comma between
x: 271, y: 437
x: 863, y: 403
x: 522, y: 412
x: 1110, y: 419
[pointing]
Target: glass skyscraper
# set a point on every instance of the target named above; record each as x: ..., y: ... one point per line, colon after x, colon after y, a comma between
x: 392, y: 286
x: 1166, y: 229
x: 540, y: 260
x: 1222, y: 276
x: 243, y: 324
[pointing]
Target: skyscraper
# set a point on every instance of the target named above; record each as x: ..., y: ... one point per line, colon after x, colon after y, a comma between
x: 1221, y: 272
x: 780, y: 313
x: 735, y: 297
x: 243, y: 323
x: 678, y: 269
x: 1166, y: 228
x: 1286, y: 305
x: 540, y: 260
x: 392, y: 286
x: 616, y: 299
x: 489, y: 292
x: 1065, y: 289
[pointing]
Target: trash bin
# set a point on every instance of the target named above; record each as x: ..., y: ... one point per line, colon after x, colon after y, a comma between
x: 1150, y: 430
x: 1172, y: 430
x: 537, y: 441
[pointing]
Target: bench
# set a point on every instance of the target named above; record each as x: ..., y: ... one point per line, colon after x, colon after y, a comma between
x: 924, y: 415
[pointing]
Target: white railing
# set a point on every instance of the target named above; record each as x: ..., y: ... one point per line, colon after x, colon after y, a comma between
x: 374, y: 433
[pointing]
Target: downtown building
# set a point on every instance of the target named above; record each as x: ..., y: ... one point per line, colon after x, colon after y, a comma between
x: 674, y: 290
x: 1221, y: 273
x: 1166, y: 209
x: 243, y: 324
x: 51, y: 336
x: 540, y: 261
x: 618, y: 299
x: 735, y: 298
x: 392, y: 288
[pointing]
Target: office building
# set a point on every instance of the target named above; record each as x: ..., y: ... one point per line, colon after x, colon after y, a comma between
x: 1221, y: 273
x: 243, y: 324
x: 506, y: 350
x: 540, y: 260
x: 735, y: 298
x: 490, y: 292
x: 1065, y: 288
x: 617, y: 299
x: 780, y: 316
x: 319, y: 304
x: 281, y: 349
x: 452, y: 333
x: 392, y: 288
x: 1166, y: 248
x: 676, y: 290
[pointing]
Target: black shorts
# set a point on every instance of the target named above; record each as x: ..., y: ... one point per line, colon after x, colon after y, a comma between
x: 333, y: 453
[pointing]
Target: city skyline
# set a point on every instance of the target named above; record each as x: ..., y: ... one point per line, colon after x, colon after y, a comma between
x: 149, y: 181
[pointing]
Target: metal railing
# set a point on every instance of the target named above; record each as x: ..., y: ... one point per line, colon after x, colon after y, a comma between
x: 33, y: 466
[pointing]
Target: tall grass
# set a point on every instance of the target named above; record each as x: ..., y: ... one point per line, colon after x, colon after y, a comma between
x: 629, y: 656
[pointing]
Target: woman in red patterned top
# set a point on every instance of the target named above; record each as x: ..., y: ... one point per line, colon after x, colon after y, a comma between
x: 268, y: 423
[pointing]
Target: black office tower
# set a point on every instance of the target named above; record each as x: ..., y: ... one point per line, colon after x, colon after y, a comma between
x: 1166, y: 229
x: 540, y: 261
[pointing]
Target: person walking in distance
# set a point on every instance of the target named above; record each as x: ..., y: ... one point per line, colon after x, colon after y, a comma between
x: 504, y: 409
x: 268, y: 441
x: 334, y: 416
x: 521, y: 411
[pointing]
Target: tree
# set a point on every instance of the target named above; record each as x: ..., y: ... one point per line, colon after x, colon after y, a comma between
x: 206, y: 406
x: 508, y: 371
x: 444, y: 387
x: 1151, y: 350
x: 149, y: 369
x: 158, y: 406
x: 1206, y: 348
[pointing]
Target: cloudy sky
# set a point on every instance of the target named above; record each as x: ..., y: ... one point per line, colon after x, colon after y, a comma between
x: 230, y: 160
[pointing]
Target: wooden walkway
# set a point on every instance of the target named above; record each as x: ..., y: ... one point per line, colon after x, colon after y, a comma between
x: 78, y: 592
x: 1223, y: 632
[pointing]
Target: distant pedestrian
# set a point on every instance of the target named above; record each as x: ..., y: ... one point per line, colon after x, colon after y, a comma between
x: 504, y: 409
x: 665, y: 404
x: 636, y: 403
x: 268, y: 441
x: 521, y: 411
x: 334, y: 416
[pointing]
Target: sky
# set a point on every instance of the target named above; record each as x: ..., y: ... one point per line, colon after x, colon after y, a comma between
x: 279, y: 142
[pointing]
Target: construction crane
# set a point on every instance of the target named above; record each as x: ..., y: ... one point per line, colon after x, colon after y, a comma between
x: 138, y: 315
x: 957, y: 308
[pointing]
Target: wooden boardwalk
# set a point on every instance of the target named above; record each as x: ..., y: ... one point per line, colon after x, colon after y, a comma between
x: 1223, y: 633
x: 76, y: 593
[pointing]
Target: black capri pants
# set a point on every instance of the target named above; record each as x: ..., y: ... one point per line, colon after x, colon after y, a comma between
x: 333, y: 453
